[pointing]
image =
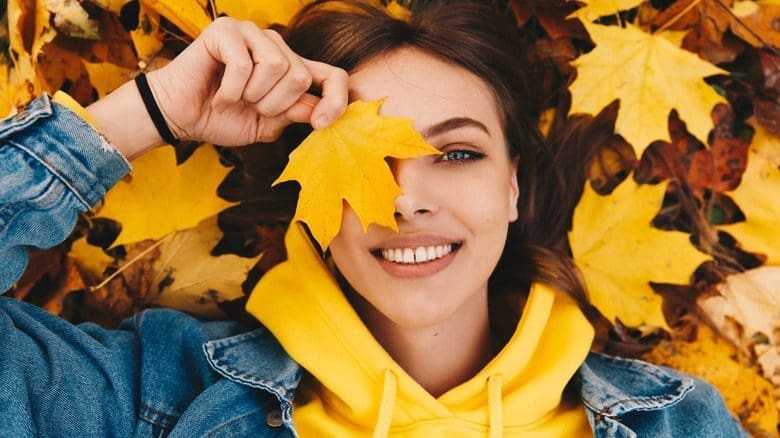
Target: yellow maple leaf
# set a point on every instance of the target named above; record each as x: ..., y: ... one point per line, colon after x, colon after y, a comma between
x: 594, y: 9
x: 161, y: 197
x: 261, y: 13
x: 756, y: 196
x: 650, y: 76
x: 346, y: 162
x: 619, y: 252
x: 188, y: 15
x: 193, y: 280
x: 107, y: 77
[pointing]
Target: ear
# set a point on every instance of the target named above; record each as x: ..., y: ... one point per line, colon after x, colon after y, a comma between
x: 514, y: 191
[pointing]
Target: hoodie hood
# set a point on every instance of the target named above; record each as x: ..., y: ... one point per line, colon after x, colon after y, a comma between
x: 360, y: 390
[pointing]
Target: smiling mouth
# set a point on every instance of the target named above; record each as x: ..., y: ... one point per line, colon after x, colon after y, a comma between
x: 417, y: 255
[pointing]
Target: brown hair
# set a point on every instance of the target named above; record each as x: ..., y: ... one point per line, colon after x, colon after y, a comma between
x: 474, y: 36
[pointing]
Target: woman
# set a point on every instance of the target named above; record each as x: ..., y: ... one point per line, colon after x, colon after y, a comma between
x: 386, y: 333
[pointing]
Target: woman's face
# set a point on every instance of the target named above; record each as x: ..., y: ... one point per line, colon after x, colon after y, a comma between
x: 455, y: 208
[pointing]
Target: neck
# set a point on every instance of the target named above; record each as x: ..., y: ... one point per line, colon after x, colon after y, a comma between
x: 439, y: 356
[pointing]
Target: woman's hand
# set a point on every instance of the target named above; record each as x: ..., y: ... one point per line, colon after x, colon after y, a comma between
x: 238, y: 84
x: 234, y: 85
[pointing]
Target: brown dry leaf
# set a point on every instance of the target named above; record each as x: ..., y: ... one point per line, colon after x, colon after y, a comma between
x: 686, y: 159
x: 757, y: 22
x: 189, y: 278
x: 69, y: 282
x: 745, y: 308
x: 57, y: 65
x: 746, y: 393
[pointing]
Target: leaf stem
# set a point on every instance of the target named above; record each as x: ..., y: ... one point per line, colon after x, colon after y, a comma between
x: 130, y: 262
x: 674, y: 19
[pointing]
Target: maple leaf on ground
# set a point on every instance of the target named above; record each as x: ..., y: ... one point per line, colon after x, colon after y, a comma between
x: 755, y: 196
x: 160, y: 197
x: 619, y: 252
x: 594, y: 9
x: 687, y: 160
x: 650, y: 76
x: 189, y: 278
x: 346, y: 162
x: 746, y: 393
x: 261, y: 13
x: 188, y: 15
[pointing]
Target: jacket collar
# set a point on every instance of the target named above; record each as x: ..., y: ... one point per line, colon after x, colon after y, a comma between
x: 257, y: 360
x: 611, y: 386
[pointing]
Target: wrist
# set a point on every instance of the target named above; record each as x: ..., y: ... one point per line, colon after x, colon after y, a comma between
x: 123, y: 120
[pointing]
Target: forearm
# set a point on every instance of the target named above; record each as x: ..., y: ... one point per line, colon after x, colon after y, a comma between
x: 124, y: 121
x: 53, y: 165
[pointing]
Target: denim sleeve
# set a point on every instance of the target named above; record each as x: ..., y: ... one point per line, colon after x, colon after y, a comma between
x: 53, y: 165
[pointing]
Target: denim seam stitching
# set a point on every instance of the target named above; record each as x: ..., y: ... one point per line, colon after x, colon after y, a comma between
x: 156, y: 417
x: 53, y: 172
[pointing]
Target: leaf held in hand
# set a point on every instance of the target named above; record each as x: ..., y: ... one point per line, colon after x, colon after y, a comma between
x: 346, y: 162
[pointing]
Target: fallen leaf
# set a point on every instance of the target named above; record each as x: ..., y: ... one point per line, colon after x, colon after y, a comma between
x: 114, y: 6
x: 398, y: 11
x: 756, y: 197
x: 189, y: 278
x: 107, y: 77
x: 90, y: 257
x: 72, y: 20
x: 619, y: 252
x: 594, y: 9
x: 160, y: 197
x: 147, y: 38
x: 757, y: 22
x: 188, y: 15
x: 746, y: 393
x: 345, y: 162
x: 745, y: 309
x: 650, y: 76
x: 261, y: 13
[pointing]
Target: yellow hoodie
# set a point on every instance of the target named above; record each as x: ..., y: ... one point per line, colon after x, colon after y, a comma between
x: 360, y: 390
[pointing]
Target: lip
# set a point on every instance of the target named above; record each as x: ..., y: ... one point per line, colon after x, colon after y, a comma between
x: 415, y: 270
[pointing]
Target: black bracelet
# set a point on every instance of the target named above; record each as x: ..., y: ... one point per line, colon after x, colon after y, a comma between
x: 154, y: 110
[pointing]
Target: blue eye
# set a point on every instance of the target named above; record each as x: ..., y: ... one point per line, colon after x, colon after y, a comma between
x: 460, y: 156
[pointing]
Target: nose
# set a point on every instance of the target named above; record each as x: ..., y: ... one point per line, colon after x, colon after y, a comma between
x: 417, y: 194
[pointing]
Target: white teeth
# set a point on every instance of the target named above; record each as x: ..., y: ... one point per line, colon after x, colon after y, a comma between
x: 420, y: 254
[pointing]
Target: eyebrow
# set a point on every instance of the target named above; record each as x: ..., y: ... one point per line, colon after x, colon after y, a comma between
x: 451, y: 124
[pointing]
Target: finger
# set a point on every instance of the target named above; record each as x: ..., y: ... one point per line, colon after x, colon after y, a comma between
x: 271, y: 64
x: 230, y: 50
x: 295, y: 82
x: 335, y: 92
x: 301, y: 110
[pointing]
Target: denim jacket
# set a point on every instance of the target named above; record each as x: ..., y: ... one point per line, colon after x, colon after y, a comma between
x: 164, y: 373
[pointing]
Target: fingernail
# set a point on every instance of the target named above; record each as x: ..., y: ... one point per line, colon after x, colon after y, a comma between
x: 322, y: 122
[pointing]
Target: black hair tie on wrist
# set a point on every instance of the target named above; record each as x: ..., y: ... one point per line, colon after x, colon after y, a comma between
x: 154, y: 110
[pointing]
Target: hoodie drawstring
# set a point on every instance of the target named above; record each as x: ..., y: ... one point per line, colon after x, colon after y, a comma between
x: 386, y: 406
x: 495, y: 406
